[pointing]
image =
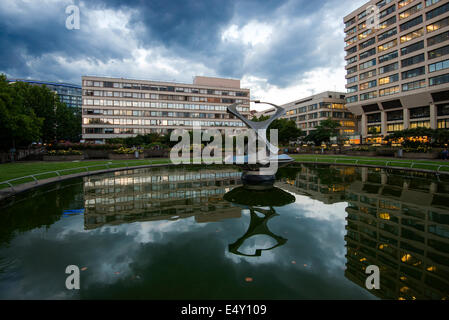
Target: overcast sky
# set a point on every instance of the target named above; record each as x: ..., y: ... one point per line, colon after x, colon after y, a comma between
x: 282, y: 50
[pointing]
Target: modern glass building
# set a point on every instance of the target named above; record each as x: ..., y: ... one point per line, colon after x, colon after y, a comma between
x: 70, y: 94
x: 120, y: 108
x: 397, y: 63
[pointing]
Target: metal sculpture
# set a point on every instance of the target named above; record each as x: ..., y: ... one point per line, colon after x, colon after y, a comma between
x: 252, y: 172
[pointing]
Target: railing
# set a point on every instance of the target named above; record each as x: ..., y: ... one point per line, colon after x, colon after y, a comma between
x: 62, y: 172
x: 381, y: 162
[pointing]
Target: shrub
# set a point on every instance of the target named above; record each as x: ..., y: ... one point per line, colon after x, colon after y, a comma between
x: 123, y: 150
x: 419, y: 149
x: 68, y: 152
x: 84, y: 146
x: 364, y: 148
x: 155, y: 145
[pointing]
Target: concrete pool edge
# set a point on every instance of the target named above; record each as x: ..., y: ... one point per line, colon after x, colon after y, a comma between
x: 7, y: 192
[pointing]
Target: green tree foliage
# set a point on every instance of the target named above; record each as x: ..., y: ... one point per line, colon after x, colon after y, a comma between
x: 145, y: 140
x: 19, y: 124
x: 441, y: 137
x: 68, y: 123
x: 324, y: 131
x: 287, y: 129
x: 30, y: 113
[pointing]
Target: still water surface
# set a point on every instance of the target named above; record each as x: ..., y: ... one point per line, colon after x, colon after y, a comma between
x: 196, y: 233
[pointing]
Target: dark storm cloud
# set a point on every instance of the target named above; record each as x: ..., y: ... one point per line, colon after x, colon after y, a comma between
x: 36, y: 31
x: 191, y: 30
x: 186, y: 25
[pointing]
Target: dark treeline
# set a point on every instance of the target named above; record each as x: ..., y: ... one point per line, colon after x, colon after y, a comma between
x: 30, y: 113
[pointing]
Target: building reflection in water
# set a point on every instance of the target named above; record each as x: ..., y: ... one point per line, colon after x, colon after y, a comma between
x: 398, y: 221
x: 171, y: 194
x: 159, y: 194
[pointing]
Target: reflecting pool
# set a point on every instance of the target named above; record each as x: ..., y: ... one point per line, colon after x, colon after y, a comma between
x: 197, y: 233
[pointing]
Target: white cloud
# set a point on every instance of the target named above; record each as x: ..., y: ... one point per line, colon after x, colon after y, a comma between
x: 252, y: 34
x: 313, y: 82
x: 151, y: 64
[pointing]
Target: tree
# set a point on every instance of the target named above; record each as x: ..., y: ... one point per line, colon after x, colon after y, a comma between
x: 324, y: 131
x: 68, y: 123
x: 44, y: 103
x: 287, y: 129
x: 19, y: 124
x: 441, y: 137
x: 31, y: 113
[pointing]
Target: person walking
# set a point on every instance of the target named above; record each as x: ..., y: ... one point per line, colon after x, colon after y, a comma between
x: 445, y: 154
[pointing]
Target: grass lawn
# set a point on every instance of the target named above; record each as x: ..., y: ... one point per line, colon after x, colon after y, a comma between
x: 392, y: 162
x: 10, y: 171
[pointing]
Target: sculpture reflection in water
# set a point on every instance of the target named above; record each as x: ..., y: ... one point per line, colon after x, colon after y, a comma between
x: 396, y: 220
x: 256, y: 201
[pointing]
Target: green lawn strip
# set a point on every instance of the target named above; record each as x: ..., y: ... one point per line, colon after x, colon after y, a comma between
x: 43, y: 170
x: 404, y: 163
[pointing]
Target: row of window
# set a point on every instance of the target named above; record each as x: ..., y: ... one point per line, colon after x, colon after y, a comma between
x: 414, y: 113
x: 443, y: 124
x: 399, y: 126
x: 136, y: 122
x: 160, y: 114
x: 147, y: 87
x: 394, y: 127
x: 323, y: 114
x: 155, y: 122
x: 157, y: 105
x: 136, y: 95
x: 414, y: 85
x: 317, y: 106
x: 314, y: 124
x: 411, y: 23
